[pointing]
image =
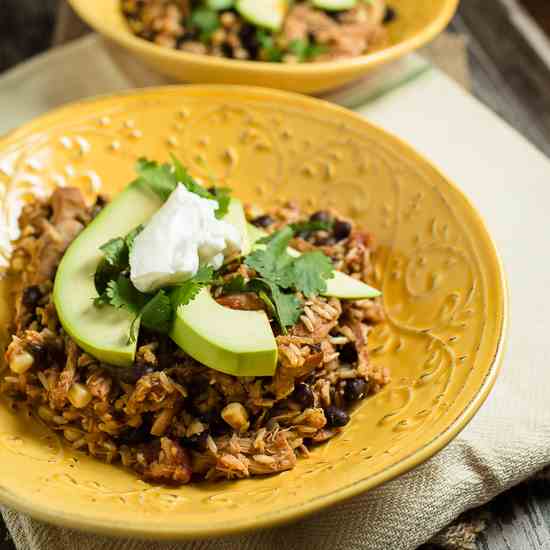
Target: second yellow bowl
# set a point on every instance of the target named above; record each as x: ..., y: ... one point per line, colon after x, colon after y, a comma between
x: 419, y: 22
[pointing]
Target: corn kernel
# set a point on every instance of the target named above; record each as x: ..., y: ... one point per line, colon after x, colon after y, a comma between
x: 21, y: 362
x: 236, y: 416
x: 79, y: 395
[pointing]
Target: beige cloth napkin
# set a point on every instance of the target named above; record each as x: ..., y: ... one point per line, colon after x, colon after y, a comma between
x: 508, y: 440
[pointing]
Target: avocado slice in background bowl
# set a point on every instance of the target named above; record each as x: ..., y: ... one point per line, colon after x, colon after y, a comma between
x: 334, y: 5
x: 269, y: 14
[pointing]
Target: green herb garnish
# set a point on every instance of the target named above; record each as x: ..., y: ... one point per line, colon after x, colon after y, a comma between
x: 206, y: 21
x: 163, y: 179
x: 281, y: 275
x: 310, y: 226
x: 186, y: 292
x: 271, y: 51
x: 305, y: 49
x: 112, y: 277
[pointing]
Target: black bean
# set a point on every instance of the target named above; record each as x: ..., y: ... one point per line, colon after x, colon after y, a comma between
x: 333, y: 14
x: 141, y: 434
x: 321, y: 216
x: 355, y: 390
x: 348, y: 353
x: 303, y: 395
x: 390, y: 15
x: 262, y: 221
x: 196, y: 441
x: 191, y: 34
x: 249, y: 40
x: 324, y: 241
x: 227, y: 50
x: 336, y: 418
x: 197, y: 386
x: 215, y: 423
x: 341, y: 230
x: 31, y: 296
x: 129, y: 375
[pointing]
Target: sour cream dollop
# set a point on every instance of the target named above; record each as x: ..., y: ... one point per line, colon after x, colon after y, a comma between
x: 182, y: 236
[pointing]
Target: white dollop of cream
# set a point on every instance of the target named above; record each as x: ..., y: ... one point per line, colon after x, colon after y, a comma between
x: 182, y: 236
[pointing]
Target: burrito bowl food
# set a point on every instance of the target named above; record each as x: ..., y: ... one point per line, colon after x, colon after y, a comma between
x: 268, y: 30
x: 185, y: 335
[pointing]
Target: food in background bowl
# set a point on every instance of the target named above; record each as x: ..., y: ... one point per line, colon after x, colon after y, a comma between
x: 269, y: 30
x: 185, y: 336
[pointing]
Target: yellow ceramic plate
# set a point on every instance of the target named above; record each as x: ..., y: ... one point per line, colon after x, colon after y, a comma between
x: 419, y: 22
x: 442, y: 280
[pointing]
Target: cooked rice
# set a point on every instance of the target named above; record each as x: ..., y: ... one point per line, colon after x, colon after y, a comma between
x: 169, y: 418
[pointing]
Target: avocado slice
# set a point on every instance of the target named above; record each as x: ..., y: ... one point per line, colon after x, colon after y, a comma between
x: 334, y: 5
x: 103, y: 332
x: 340, y: 286
x: 265, y: 13
x: 235, y: 342
x: 219, y: 5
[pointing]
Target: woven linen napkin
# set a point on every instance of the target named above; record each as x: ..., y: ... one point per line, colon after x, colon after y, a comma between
x: 507, y: 179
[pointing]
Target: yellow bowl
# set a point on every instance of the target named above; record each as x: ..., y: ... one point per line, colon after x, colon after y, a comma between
x: 419, y: 22
x: 443, y: 285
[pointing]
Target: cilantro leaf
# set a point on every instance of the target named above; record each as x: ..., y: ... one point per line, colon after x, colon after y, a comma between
x: 285, y: 307
x: 115, y: 252
x: 305, y: 49
x: 281, y: 275
x: 186, y: 292
x: 223, y: 196
x: 206, y: 21
x: 121, y: 293
x: 159, y: 178
x: 163, y: 179
x: 311, y: 226
x: 131, y: 237
x: 274, y: 263
x: 311, y: 271
x: 299, y: 48
x: 105, y: 273
x: 289, y: 307
x: 116, y: 261
x: 157, y: 313
x: 235, y: 284
x: 269, y: 47
x: 182, y: 176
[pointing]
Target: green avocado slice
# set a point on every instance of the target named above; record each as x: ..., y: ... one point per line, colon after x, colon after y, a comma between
x: 103, y: 332
x: 264, y: 13
x: 240, y: 343
x: 340, y: 286
x: 334, y: 5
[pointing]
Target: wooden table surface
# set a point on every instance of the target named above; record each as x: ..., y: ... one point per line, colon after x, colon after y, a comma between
x: 511, y: 78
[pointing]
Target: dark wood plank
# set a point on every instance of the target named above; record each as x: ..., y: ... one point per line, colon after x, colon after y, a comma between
x: 540, y: 10
x: 26, y: 28
x: 5, y: 540
x: 521, y: 520
x: 507, y: 73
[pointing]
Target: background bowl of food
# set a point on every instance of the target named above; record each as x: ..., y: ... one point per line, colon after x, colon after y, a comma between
x: 363, y: 390
x: 307, y: 46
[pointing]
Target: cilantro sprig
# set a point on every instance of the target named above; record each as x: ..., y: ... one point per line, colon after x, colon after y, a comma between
x: 163, y: 179
x: 155, y: 311
x: 281, y: 276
